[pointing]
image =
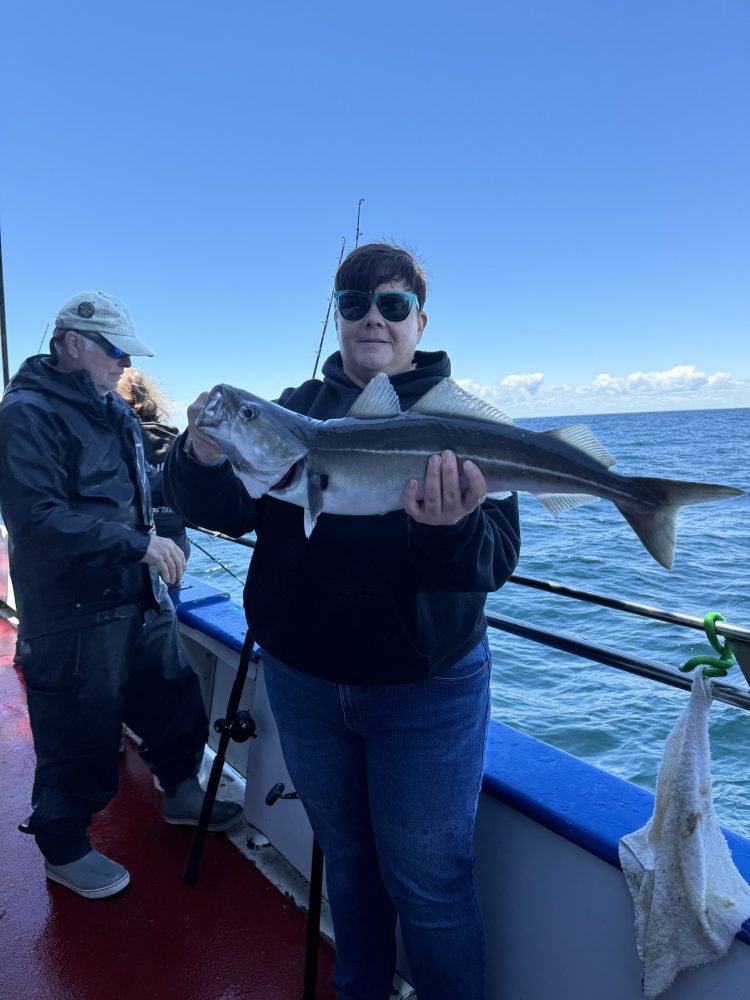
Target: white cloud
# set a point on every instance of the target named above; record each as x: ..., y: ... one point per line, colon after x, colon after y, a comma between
x: 522, y: 387
x: 681, y: 387
x: 681, y: 378
x: 527, y: 385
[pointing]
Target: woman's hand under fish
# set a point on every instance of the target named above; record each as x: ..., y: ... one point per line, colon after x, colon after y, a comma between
x: 203, y: 447
x: 443, y: 502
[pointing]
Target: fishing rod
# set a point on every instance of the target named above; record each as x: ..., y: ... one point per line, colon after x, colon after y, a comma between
x: 328, y: 311
x: 239, y: 725
x: 44, y: 337
x: 357, y: 235
x: 359, y: 231
x: 217, y: 561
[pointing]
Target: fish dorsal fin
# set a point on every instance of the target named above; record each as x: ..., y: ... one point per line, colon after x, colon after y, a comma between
x: 448, y: 399
x: 580, y: 437
x: 556, y: 503
x: 378, y: 399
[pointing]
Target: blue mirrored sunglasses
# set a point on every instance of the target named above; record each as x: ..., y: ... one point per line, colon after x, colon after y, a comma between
x: 110, y: 349
x: 392, y: 306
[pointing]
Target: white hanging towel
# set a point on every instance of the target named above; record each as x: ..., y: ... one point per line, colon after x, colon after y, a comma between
x: 689, y: 898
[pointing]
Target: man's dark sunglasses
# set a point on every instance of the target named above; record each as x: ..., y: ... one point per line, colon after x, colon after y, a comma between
x: 110, y: 349
x: 393, y: 306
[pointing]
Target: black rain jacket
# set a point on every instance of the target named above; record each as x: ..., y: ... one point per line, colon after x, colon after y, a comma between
x: 364, y: 600
x: 75, y: 499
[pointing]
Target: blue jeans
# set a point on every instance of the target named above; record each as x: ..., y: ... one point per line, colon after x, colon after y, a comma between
x: 390, y: 777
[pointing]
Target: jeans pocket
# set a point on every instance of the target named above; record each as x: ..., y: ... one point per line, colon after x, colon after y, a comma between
x: 476, y: 662
x: 51, y: 662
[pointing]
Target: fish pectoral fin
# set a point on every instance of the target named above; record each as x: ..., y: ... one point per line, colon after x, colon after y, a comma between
x: 556, y: 503
x: 378, y: 399
x: 316, y: 484
x: 448, y: 399
x: 580, y: 437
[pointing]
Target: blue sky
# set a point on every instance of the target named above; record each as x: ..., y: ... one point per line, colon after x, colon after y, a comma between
x: 575, y: 176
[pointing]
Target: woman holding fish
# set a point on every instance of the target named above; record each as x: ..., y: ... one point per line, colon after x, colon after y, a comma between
x: 374, y: 642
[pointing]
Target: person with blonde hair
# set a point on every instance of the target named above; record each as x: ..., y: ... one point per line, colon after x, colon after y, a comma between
x: 151, y: 406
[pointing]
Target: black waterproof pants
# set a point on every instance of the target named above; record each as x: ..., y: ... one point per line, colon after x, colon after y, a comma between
x: 81, y: 686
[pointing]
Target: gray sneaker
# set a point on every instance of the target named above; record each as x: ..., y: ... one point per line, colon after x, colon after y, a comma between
x: 182, y: 807
x: 92, y: 876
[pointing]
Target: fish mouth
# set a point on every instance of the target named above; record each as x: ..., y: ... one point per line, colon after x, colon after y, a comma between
x: 223, y: 403
x: 211, y: 415
x: 289, y: 478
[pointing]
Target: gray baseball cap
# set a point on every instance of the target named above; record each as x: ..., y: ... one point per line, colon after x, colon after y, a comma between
x: 97, y: 312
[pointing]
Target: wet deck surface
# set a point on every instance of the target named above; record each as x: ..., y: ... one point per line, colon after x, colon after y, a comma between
x: 233, y: 936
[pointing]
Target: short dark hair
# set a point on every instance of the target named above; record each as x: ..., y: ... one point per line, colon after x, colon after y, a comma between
x: 375, y: 263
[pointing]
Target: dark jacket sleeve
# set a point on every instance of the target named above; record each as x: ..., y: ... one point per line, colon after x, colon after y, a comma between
x: 36, y: 496
x: 476, y: 555
x: 210, y: 496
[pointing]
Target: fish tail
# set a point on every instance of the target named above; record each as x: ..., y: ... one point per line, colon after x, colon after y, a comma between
x: 656, y: 523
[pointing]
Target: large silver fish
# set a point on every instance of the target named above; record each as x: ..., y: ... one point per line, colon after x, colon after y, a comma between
x: 360, y: 464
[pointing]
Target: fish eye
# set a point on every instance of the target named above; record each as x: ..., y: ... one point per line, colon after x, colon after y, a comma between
x: 248, y: 411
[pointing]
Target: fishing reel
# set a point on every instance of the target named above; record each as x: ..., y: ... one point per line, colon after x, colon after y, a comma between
x: 241, y: 728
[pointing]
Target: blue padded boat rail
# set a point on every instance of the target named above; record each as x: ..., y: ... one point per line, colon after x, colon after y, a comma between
x: 208, y: 610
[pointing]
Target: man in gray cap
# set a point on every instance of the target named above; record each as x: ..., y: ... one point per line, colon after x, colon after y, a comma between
x: 97, y: 637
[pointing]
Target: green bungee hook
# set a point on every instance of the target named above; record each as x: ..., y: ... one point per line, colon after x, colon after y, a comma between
x: 713, y: 666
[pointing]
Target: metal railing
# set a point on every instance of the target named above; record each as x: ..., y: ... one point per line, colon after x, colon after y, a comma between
x: 738, y: 635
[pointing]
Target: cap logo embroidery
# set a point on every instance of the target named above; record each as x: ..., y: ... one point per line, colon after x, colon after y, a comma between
x: 85, y: 309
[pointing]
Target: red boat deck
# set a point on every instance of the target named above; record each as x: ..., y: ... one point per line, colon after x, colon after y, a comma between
x: 233, y: 936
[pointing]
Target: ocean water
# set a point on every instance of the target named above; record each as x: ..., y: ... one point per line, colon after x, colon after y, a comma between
x: 612, y: 719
